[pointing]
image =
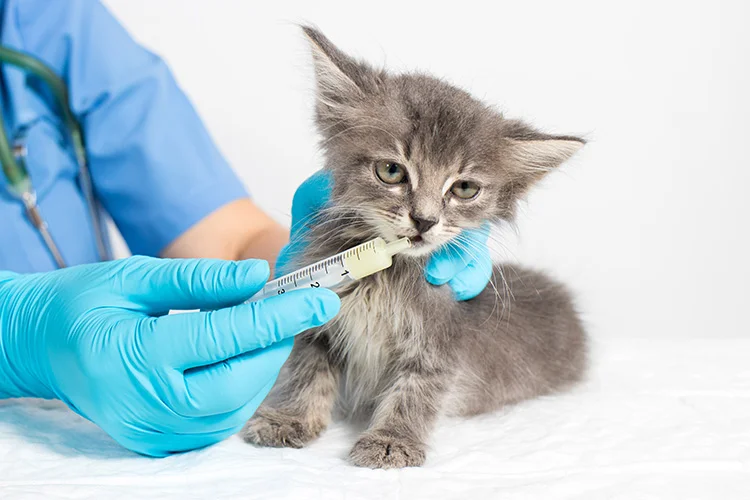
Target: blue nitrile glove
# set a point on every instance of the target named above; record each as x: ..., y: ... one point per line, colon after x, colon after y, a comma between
x: 465, y: 267
x: 97, y: 337
x: 310, y: 197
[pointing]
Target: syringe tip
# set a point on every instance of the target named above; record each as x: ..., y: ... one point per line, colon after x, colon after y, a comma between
x: 397, y: 246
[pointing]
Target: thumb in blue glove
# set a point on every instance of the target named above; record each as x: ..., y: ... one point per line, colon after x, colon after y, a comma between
x: 96, y: 337
x: 465, y: 264
x: 309, y: 199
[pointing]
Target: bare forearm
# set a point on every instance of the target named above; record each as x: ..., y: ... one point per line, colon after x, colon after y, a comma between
x: 266, y: 244
x: 238, y: 230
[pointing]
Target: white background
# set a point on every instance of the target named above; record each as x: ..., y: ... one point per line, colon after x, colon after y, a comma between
x: 648, y: 224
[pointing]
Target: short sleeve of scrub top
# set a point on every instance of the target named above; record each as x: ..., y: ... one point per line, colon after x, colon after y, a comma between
x: 155, y: 169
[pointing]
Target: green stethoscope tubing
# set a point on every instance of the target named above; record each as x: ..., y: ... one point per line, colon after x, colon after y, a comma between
x: 15, y: 172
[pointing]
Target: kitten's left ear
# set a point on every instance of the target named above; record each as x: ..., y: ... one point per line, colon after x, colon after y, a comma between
x: 535, y: 154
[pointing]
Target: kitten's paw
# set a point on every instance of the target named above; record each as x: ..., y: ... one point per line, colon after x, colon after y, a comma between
x: 277, y: 429
x: 386, y: 452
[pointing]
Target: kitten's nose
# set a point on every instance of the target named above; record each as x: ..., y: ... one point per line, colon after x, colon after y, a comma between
x: 422, y: 224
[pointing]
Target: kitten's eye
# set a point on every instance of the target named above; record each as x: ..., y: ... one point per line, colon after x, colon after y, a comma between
x: 390, y: 172
x: 465, y: 190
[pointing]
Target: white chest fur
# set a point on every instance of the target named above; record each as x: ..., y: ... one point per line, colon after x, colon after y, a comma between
x: 368, y: 332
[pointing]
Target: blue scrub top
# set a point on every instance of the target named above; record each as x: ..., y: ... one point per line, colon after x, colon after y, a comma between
x: 155, y: 169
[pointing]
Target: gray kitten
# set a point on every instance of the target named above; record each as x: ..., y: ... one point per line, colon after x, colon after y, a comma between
x: 414, y: 156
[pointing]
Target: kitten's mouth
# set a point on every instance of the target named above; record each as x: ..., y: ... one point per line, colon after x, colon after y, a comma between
x: 419, y: 246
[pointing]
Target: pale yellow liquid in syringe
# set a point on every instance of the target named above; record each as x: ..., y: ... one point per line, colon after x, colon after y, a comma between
x: 349, y: 265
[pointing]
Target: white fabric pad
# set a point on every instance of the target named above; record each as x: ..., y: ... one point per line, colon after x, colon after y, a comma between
x: 656, y: 420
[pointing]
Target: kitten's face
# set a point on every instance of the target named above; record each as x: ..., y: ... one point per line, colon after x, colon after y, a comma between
x: 421, y: 161
x: 414, y: 156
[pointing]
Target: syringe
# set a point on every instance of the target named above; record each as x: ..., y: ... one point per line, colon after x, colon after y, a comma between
x: 349, y: 265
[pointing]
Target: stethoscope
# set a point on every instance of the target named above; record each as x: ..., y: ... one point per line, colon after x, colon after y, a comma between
x: 14, y: 159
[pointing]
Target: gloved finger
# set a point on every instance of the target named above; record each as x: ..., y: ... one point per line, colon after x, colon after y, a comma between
x: 310, y: 197
x: 227, y: 386
x: 7, y: 276
x: 449, y: 260
x: 444, y: 264
x: 470, y: 281
x: 289, y: 255
x: 191, y: 340
x: 163, y: 445
x: 159, y: 285
x: 197, y: 433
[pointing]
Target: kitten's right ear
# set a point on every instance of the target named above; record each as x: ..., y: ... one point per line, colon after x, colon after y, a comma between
x: 340, y: 78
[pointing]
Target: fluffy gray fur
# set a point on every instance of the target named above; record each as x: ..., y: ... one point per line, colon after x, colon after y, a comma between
x: 401, y: 351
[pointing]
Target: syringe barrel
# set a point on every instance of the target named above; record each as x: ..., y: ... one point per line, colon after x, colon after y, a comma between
x: 353, y: 264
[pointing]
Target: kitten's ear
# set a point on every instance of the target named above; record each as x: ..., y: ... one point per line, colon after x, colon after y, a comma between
x: 340, y: 78
x: 535, y: 154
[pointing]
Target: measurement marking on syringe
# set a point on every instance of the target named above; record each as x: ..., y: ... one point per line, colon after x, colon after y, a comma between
x: 331, y: 272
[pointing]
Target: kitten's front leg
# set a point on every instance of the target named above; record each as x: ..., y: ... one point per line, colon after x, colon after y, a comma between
x: 404, y: 418
x: 300, y: 407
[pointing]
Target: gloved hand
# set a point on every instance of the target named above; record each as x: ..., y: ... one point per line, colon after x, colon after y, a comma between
x: 97, y: 337
x: 465, y: 267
